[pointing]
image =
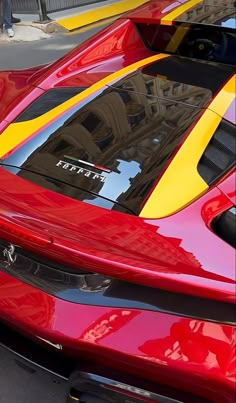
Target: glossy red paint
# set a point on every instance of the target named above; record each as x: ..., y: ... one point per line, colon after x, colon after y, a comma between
x: 224, y: 201
x: 174, y: 350
x: 15, y: 94
x: 178, y: 253
x: 116, y: 47
x: 214, y: 207
x: 227, y: 186
x: 154, y: 11
x: 129, y: 247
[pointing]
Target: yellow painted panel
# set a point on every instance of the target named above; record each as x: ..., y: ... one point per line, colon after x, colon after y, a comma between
x: 178, y: 11
x: 76, y: 21
x: 181, y: 183
x: 177, y: 38
x: 222, y: 101
x: 92, y: 26
x: 16, y: 133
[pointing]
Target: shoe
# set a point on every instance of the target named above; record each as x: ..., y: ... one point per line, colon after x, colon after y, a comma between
x: 10, y: 32
x: 15, y: 20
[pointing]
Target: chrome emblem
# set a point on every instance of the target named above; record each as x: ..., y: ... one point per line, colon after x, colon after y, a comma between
x: 89, y: 173
x: 9, y: 254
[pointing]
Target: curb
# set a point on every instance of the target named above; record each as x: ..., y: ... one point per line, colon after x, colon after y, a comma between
x: 25, y: 32
x: 47, y: 28
x: 97, y: 14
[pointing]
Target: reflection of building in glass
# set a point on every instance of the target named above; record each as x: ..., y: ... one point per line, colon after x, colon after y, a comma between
x: 168, y: 116
x: 197, y: 342
x: 132, y: 130
x: 210, y: 13
x: 107, y: 324
x: 39, y: 308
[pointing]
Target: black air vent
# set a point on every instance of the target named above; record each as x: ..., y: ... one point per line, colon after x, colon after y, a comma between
x: 220, y: 153
x: 48, y: 101
x: 225, y: 226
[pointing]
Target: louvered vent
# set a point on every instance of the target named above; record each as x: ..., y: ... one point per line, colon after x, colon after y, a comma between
x: 219, y: 156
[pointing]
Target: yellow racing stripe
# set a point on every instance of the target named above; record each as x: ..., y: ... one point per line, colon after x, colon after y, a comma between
x: 92, y: 26
x: 17, y: 133
x: 177, y: 38
x: 178, y: 11
x: 100, y: 13
x: 181, y: 183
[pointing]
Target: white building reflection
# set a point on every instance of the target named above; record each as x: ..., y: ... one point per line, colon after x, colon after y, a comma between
x: 131, y: 129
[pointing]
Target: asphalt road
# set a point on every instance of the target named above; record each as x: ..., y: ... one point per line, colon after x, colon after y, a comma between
x: 18, y: 385
x: 20, y: 55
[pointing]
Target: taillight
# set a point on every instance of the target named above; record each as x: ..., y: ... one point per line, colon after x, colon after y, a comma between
x: 12, y: 229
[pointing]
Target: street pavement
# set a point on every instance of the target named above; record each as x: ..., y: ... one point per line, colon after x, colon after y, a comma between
x: 18, y: 385
x: 20, y: 55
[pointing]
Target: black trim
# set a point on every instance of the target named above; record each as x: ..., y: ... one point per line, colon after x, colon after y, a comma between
x: 224, y: 226
x: 48, y: 101
x: 97, y: 290
x: 198, y: 73
x: 106, y: 385
x: 219, y: 155
x: 92, y: 388
x: 33, y: 355
x: 156, y: 38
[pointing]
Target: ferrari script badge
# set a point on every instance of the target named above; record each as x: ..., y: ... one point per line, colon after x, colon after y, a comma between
x: 67, y: 166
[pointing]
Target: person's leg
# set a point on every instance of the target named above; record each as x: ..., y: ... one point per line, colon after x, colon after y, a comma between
x: 7, y: 7
x: 1, y: 15
x: 7, y: 14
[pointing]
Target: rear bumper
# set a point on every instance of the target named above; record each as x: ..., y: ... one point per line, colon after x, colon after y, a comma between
x: 23, y: 356
x: 190, y: 355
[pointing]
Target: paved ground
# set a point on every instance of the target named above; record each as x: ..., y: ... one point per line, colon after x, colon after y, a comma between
x: 24, y: 33
x: 19, y: 55
x: 22, y: 385
x: 86, y: 14
x: 18, y: 385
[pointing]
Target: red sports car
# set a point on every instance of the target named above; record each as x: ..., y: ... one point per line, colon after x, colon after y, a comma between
x: 117, y: 209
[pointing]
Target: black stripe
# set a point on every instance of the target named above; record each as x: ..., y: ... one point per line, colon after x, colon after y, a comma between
x: 192, y: 72
x: 33, y: 355
x: 48, y: 101
x: 219, y: 155
x: 97, y: 290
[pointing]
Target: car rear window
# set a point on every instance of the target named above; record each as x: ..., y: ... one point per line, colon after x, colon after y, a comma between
x: 111, y: 151
x: 198, y: 41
